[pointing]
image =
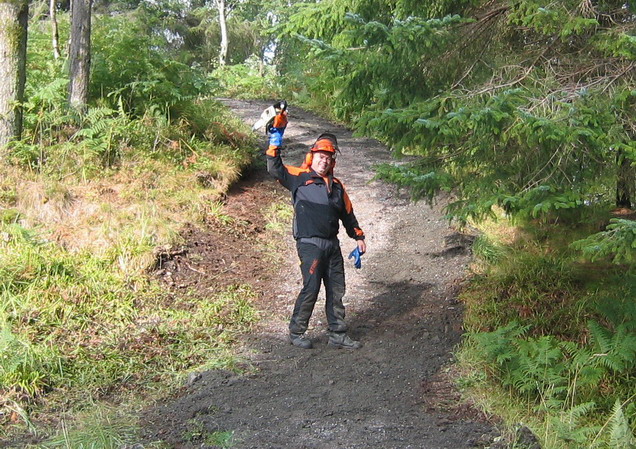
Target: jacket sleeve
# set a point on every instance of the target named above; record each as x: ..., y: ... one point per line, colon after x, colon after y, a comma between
x: 275, y: 166
x: 349, y: 219
x: 288, y: 176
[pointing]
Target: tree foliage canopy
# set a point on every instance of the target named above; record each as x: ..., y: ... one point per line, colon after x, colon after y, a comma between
x: 525, y: 105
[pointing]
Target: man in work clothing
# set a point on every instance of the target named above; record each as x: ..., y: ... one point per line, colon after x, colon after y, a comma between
x: 320, y: 204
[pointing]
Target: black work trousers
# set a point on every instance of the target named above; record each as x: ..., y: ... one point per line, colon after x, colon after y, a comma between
x: 319, y: 265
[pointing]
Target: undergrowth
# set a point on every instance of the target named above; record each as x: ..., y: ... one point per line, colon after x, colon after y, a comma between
x: 88, y: 201
x: 84, y: 208
x: 551, y: 338
x: 249, y: 80
x: 78, y: 313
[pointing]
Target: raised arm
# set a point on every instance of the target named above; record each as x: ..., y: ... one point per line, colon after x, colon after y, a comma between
x: 287, y: 175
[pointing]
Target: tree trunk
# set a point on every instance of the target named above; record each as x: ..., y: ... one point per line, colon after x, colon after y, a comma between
x: 55, y: 35
x: 625, y: 182
x: 223, y: 24
x: 80, y: 53
x: 13, y: 39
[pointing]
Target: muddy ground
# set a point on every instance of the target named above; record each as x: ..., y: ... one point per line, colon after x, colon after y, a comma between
x: 395, y: 392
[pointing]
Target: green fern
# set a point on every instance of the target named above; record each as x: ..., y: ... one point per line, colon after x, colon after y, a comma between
x: 585, y: 372
x: 540, y: 368
x: 532, y: 367
x: 614, y: 350
x: 572, y: 425
x: 621, y: 434
x: 497, y: 344
x: 617, y: 432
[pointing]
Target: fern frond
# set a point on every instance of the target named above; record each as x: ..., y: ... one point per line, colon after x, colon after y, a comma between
x: 601, y: 337
x: 617, y: 351
x: 569, y: 424
x: 621, y: 435
x: 617, y: 426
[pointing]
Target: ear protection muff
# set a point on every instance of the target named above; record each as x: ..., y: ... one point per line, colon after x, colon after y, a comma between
x: 309, y: 158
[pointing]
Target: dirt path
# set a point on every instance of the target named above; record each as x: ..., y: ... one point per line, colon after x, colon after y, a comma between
x: 392, y: 393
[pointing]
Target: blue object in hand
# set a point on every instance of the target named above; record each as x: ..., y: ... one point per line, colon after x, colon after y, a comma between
x: 276, y: 136
x: 357, y: 256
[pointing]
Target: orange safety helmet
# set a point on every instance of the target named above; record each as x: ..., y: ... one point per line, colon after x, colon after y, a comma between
x: 325, y: 142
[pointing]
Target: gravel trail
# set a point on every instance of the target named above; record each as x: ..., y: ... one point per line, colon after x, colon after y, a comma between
x: 394, y: 393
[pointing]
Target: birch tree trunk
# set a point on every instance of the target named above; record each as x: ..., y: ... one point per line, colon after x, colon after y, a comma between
x: 223, y: 24
x: 55, y: 35
x: 80, y: 53
x: 13, y: 39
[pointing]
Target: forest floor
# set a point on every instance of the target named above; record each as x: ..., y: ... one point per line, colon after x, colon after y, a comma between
x: 396, y: 391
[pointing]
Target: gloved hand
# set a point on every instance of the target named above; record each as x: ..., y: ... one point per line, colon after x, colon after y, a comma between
x: 276, y: 136
x: 356, y: 255
x: 280, y: 120
x: 277, y: 129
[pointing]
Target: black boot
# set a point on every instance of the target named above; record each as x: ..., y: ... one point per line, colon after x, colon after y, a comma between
x: 341, y: 340
x: 301, y: 341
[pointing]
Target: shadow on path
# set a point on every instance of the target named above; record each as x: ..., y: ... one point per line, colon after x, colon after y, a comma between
x: 327, y: 398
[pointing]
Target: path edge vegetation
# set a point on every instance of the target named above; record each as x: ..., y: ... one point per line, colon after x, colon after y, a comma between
x: 90, y: 204
x: 83, y: 323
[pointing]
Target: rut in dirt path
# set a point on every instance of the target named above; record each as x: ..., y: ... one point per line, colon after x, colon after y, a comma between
x: 393, y: 392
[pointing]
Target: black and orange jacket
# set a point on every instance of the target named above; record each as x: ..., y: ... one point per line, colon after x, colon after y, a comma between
x: 319, y: 203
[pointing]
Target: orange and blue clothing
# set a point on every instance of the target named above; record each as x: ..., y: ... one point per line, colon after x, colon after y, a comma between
x: 320, y: 204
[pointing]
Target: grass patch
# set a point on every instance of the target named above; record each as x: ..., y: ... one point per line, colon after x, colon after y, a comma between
x: 197, y: 432
x: 224, y: 439
x: 78, y: 312
x: 72, y: 324
x: 279, y: 215
x: 100, y: 426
